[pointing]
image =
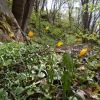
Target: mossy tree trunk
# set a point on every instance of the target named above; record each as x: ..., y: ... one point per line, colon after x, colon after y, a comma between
x: 8, y: 23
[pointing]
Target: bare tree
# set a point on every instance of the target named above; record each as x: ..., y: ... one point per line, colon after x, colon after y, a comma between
x: 85, y: 15
x: 70, y: 4
x: 36, y: 5
x: 43, y: 3
x: 89, y: 15
x: 55, y: 8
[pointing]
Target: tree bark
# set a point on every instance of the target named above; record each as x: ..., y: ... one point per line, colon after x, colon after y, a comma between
x: 18, y: 10
x: 27, y: 13
x: 85, y: 15
x: 8, y: 23
x: 22, y: 11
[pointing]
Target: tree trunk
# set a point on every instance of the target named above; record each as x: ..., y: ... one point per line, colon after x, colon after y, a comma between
x: 22, y: 11
x: 43, y: 5
x: 36, y: 7
x: 8, y: 23
x: 27, y: 13
x: 18, y: 10
x: 85, y: 16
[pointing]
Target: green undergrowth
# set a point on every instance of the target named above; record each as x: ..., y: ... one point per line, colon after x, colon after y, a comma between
x: 35, y: 71
x: 14, y: 52
x: 29, y: 69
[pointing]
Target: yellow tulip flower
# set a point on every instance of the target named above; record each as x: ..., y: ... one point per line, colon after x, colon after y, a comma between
x: 78, y: 40
x: 47, y: 28
x: 83, y: 51
x: 30, y: 34
x: 60, y: 43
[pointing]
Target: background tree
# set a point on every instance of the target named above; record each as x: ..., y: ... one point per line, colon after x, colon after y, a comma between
x: 56, y: 6
x: 90, y: 14
x: 43, y: 4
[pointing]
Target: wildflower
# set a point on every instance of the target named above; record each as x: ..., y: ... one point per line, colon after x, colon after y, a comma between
x: 30, y: 34
x: 60, y: 43
x: 47, y: 28
x: 78, y: 40
x: 83, y: 51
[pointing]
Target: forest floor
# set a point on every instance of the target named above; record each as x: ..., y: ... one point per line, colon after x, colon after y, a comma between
x: 49, y: 72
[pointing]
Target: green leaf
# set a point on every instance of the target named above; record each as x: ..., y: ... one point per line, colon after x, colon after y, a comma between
x: 70, y: 39
x: 3, y: 95
x: 66, y: 78
x: 65, y: 81
x: 68, y: 62
x: 72, y: 98
x: 19, y: 90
